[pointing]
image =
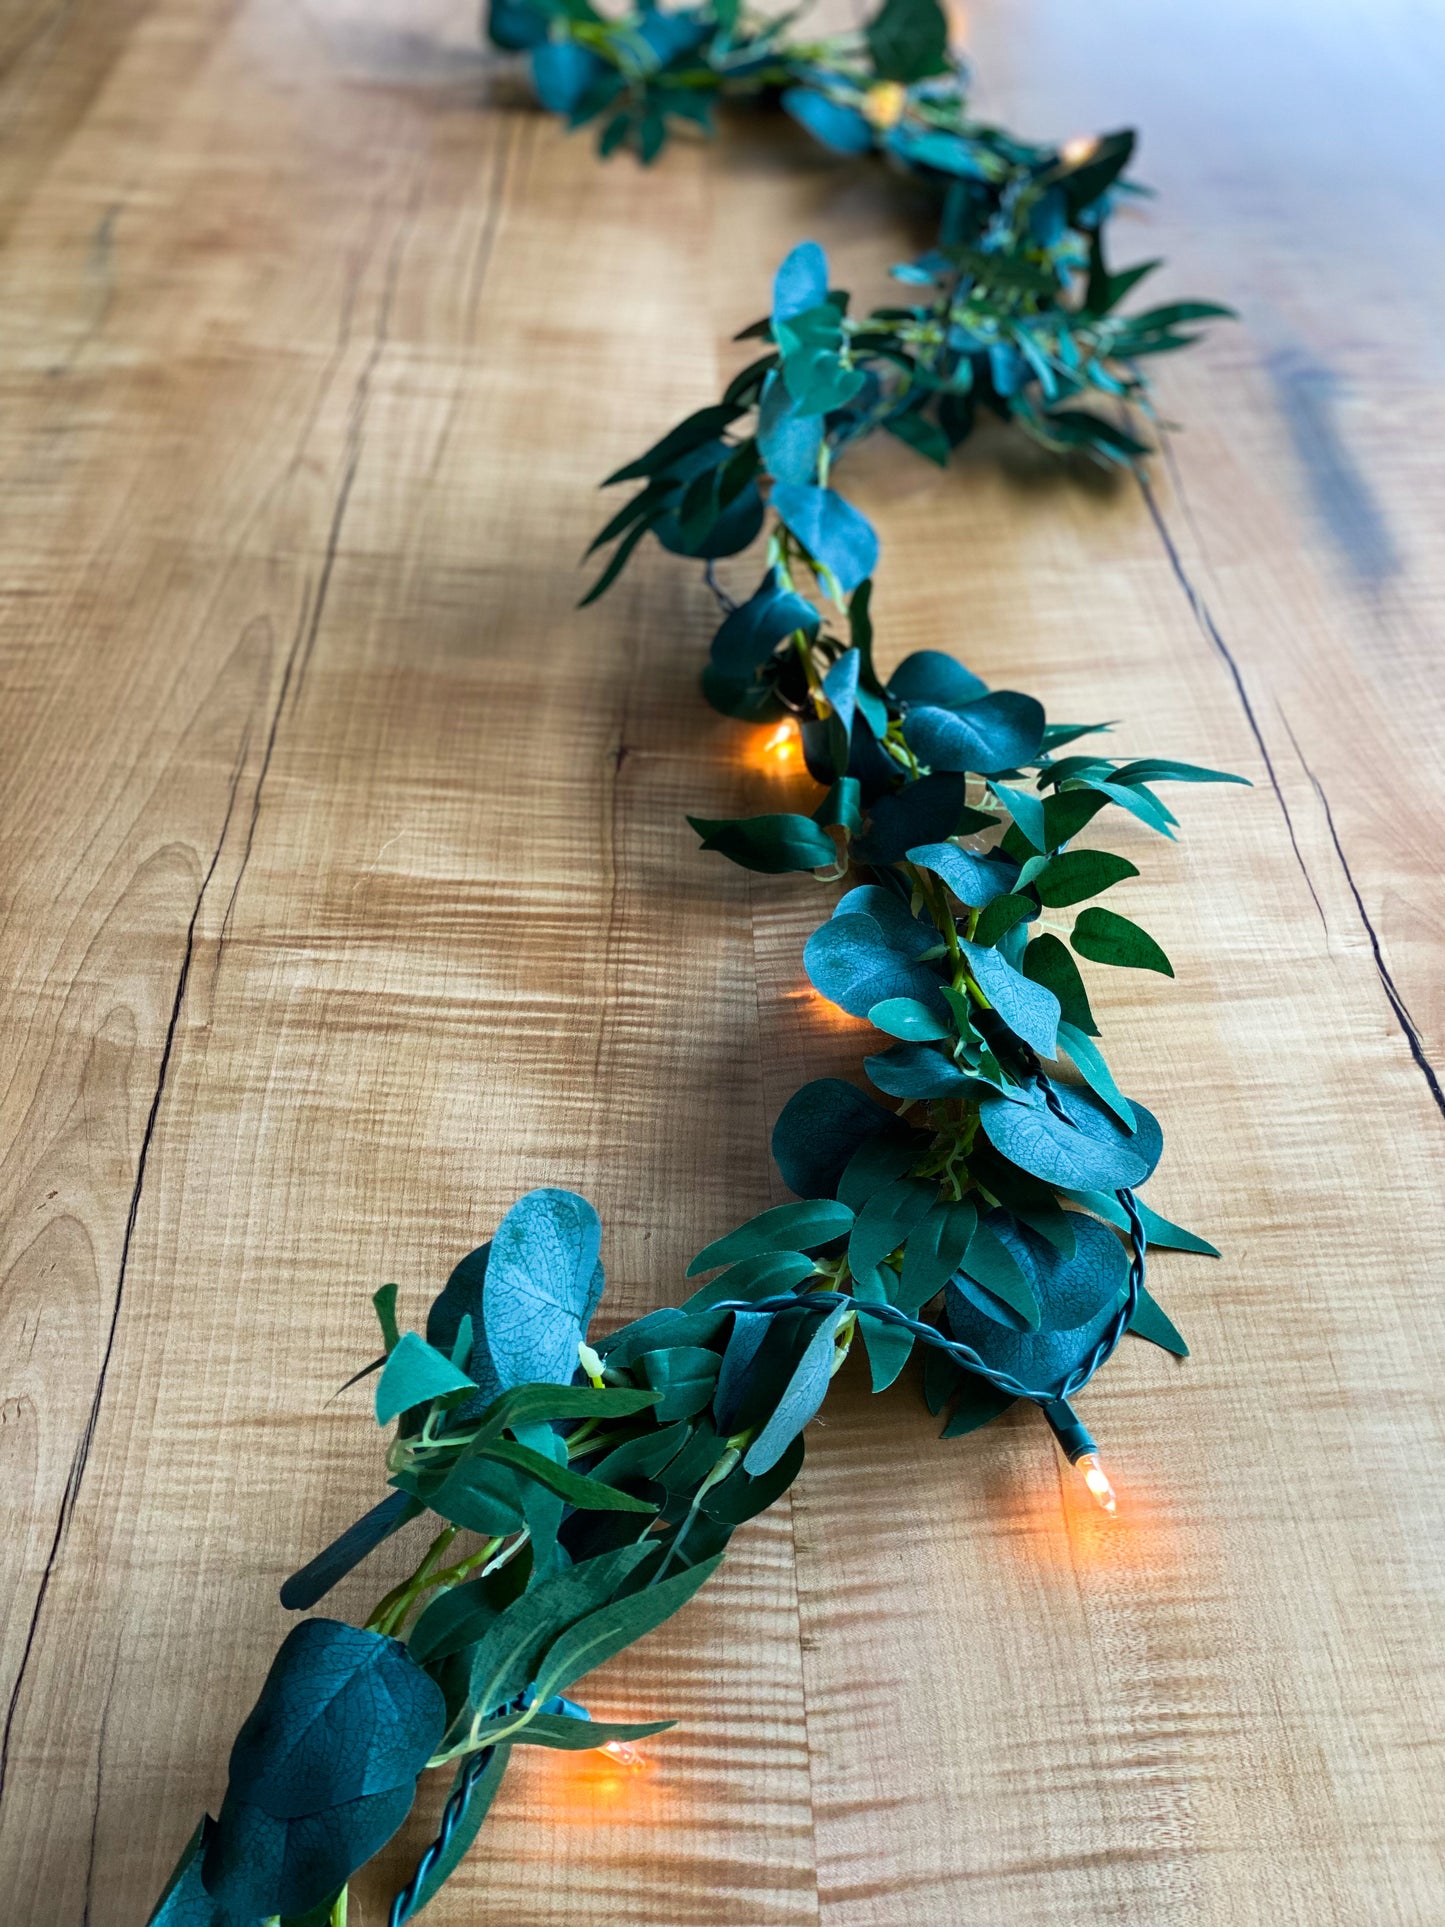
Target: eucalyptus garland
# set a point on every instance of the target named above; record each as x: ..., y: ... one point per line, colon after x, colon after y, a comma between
x: 985, y: 1225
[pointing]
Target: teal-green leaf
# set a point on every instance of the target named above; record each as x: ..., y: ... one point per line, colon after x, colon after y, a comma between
x: 909, y: 1019
x: 543, y: 1282
x: 509, y: 1654
x: 787, y: 1227
x: 571, y: 1735
x: 685, y: 1375
x: 1001, y: 916
x: 1158, y: 769
x: 934, y: 1251
x: 1073, y: 875
x: 595, y: 1639
x: 887, y: 1218
x: 979, y: 1404
x: 1105, y: 938
x: 384, y: 1304
x: 415, y: 1374
x: 888, y: 1346
x: 1171, y: 1237
x: 1026, y: 807
x: 806, y: 1391
x: 990, y: 1263
x: 1149, y: 1321
x: 185, y: 1902
x: 574, y: 1487
x: 1089, y: 1060
x: 1046, y: 961
x: 768, y: 844
x: 763, y: 1275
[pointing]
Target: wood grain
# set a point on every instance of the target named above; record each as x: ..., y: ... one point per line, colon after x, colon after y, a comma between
x: 347, y: 895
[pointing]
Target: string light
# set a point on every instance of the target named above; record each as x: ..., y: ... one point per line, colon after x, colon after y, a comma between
x: 781, y: 744
x: 1097, y: 1480
x: 1081, y: 148
x: 623, y: 1752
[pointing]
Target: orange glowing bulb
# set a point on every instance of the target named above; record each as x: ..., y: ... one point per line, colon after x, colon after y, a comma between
x: 780, y: 744
x: 1080, y: 149
x: 622, y: 1752
x: 1097, y: 1480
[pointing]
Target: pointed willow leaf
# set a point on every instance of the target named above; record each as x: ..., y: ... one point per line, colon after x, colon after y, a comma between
x: 574, y: 1487
x: 886, y: 1220
x: 934, y: 1251
x: 888, y: 1346
x: 583, y: 1736
x: 787, y: 1227
x: 510, y: 1653
x: 595, y: 1639
x: 685, y: 1375
x: 764, y: 1275
x: 1148, y: 1320
x: 806, y: 1391
x: 1046, y: 961
x: 1095, y: 1072
x: 1073, y: 875
x: 990, y: 1263
x: 1171, y: 1237
x: 1106, y: 938
x: 909, y: 1019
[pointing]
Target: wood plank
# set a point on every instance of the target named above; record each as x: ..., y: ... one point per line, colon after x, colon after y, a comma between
x: 348, y: 895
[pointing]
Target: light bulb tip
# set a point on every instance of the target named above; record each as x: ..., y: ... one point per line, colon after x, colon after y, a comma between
x: 1097, y: 1480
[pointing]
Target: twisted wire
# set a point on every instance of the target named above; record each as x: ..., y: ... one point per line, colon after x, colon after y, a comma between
x: 453, y: 1814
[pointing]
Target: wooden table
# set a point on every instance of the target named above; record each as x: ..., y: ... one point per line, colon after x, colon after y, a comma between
x: 348, y: 895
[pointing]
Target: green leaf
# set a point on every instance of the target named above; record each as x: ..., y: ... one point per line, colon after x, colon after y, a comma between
x: 1106, y: 938
x: 741, y: 1497
x: 543, y: 1282
x: 770, y: 844
x: 909, y: 1019
x: 384, y: 1304
x: 1171, y: 1237
x: 888, y: 1346
x: 925, y: 437
x: 1073, y: 875
x: 934, y: 1251
x: 878, y: 1162
x: 511, y: 1651
x: 787, y: 1227
x: 979, y: 1404
x: 1149, y: 1321
x: 990, y: 1263
x: 685, y: 1375
x: 1067, y: 811
x: 1155, y: 769
x: 1001, y: 916
x: 1047, y: 962
x: 571, y: 1735
x: 763, y: 1275
x: 1095, y: 1072
x: 574, y: 1487
x: 886, y: 1220
x: 1026, y: 808
x: 324, y: 1770
x: 696, y: 431
x: 595, y: 1639
x: 1060, y: 1152
x: 806, y: 1391
x: 184, y: 1901
x: 657, y: 1330
x: 908, y: 40
x: 1030, y: 1009
x: 541, y: 1404
x: 415, y: 1374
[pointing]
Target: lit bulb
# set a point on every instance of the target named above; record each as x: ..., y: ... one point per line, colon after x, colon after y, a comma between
x: 780, y: 743
x: 1080, y: 149
x: 622, y: 1752
x: 1097, y: 1480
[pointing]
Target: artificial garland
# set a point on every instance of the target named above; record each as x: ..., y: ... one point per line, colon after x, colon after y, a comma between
x: 992, y: 1219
